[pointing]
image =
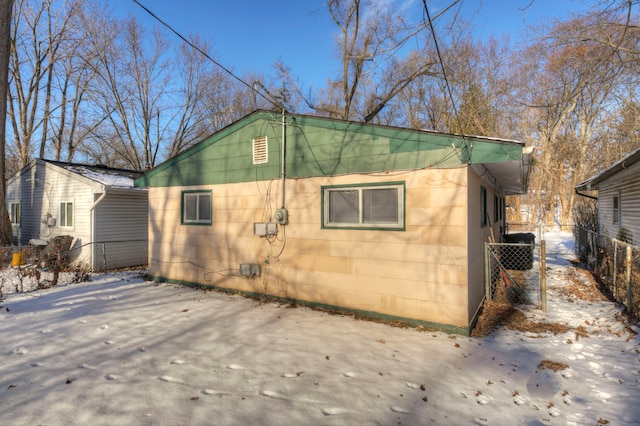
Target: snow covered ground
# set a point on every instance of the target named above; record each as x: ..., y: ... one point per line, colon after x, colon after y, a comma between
x: 121, y: 351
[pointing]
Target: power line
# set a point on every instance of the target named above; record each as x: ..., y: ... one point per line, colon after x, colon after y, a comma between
x: 444, y: 73
x: 206, y: 55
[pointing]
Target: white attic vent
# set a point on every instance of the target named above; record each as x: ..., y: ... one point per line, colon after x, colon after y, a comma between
x: 260, y: 152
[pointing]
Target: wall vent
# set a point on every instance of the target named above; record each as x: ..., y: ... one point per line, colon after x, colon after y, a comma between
x: 260, y: 151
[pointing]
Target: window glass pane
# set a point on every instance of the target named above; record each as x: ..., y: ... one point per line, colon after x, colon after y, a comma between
x: 69, y: 214
x: 343, y: 206
x: 63, y: 215
x: 204, y: 207
x: 380, y: 205
x: 190, y: 207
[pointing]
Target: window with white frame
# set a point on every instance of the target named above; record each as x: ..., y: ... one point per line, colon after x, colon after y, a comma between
x: 14, y: 213
x: 375, y: 206
x: 196, y: 207
x: 65, y: 218
x: 616, y: 209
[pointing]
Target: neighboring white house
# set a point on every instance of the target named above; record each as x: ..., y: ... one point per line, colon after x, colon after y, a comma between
x: 618, y: 197
x: 97, y: 205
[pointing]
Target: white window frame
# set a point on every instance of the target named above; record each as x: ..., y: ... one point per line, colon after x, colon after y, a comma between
x: 197, y: 220
x: 15, y: 212
x: 361, y: 222
x: 616, y: 211
x: 260, y: 150
x: 62, y: 214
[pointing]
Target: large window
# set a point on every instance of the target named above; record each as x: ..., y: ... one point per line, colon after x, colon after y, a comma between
x: 14, y: 213
x: 379, y: 206
x: 196, y: 207
x: 66, y: 214
x: 616, y: 209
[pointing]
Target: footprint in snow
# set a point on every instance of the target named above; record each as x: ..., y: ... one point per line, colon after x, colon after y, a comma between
x: 483, y: 399
x: 169, y: 379
x: 349, y: 374
x: 272, y: 394
x: 86, y: 366
x: 401, y: 410
x: 112, y: 377
x: 554, y: 412
x: 177, y: 361
x: 291, y: 375
x: 413, y: 385
x: 519, y: 399
x: 19, y: 351
x: 235, y: 367
x: 214, y: 392
x: 109, y: 342
x: 334, y: 411
x: 104, y: 327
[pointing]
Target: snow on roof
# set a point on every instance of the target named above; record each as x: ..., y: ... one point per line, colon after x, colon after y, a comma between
x: 109, y: 176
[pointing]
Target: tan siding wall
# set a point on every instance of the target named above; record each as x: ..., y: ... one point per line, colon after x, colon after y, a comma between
x: 419, y: 273
x: 477, y: 237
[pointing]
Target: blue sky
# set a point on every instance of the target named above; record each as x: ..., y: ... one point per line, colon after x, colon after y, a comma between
x: 250, y: 35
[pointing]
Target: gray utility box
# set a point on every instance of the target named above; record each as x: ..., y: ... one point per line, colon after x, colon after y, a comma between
x: 518, y: 257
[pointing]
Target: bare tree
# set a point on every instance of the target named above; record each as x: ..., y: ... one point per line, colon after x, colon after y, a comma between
x: 6, y: 9
x: 40, y: 38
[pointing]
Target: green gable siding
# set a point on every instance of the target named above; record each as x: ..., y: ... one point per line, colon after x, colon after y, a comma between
x: 320, y: 147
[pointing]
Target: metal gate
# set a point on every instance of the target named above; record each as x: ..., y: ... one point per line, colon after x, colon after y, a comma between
x: 514, y: 273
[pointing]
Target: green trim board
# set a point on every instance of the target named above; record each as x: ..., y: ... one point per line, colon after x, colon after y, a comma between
x: 445, y: 328
x: 318, y: 146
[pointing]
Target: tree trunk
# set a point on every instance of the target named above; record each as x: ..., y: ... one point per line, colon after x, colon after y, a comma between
x: 6, y: 9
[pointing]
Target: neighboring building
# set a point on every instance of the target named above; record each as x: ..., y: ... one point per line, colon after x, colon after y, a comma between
x: 618, y: 197
x: 382, y: 221
x: 96, y: 205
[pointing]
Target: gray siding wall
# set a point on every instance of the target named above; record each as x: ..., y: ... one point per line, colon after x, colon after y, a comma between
x: 626, y: 184
x: 121, y: 230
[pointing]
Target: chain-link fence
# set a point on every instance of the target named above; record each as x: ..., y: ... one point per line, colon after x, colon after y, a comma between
x: 95, y: 257
x: 615, y: 264
x: 514, y: 272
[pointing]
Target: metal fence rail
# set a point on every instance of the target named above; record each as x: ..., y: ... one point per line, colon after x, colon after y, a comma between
x: 514, y: 273
x: 615, y: 264
x: 95, y: 257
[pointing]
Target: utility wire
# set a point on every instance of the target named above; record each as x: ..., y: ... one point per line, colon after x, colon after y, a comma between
x: 207, y: 55
x: 444, y: 73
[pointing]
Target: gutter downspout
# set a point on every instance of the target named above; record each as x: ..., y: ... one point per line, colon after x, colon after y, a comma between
x: 283, y: 159
x: 585, y: 195
x: 93, y: 226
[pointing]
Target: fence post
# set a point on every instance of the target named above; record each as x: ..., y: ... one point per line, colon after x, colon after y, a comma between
x: 487, y: 273
x: 104, y: 257
x: 543, y: 275
x: 628, y: 276
x: 615, y: 267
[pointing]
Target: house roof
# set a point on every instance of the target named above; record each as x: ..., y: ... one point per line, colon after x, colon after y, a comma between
x: 108, y: 176
x: 317, y: 146
x: 594, y: 181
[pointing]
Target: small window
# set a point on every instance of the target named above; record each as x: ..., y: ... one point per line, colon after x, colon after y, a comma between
x: 66, y: 214
x: 196, y: 207
x: 260, y: 151
x: 483, y: 206
x: 367, y: 207
x: 14, y: 213
x: 616, y: 209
